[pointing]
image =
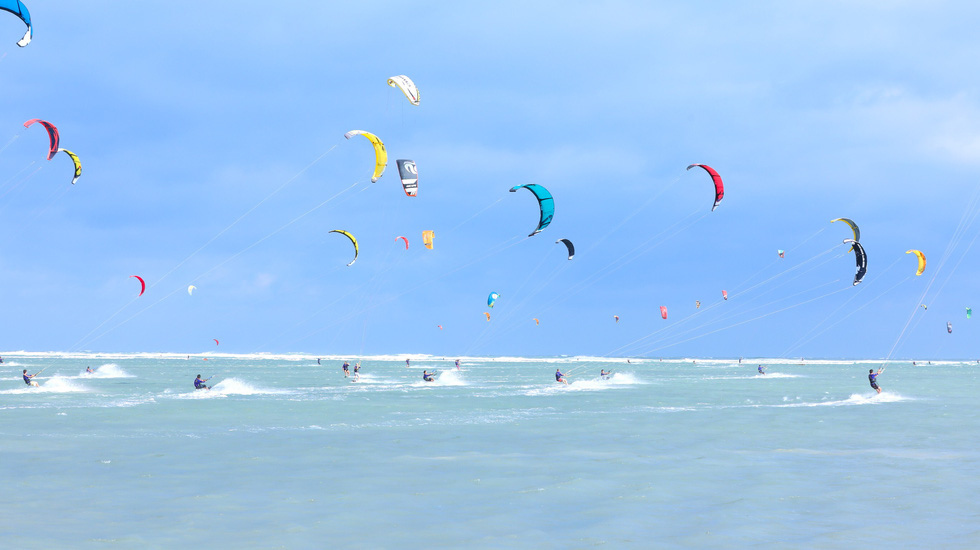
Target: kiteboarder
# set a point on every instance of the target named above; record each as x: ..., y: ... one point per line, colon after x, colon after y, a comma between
x: 559, y: 377
x: 407, y: 364
x: 872, y: 377
x: 357, y: 371
x: 457, y: 364
x: 346, y: 369
x: 603, y: 374
x: 89, y: 370
x: 28, y: 377
x: 762, y: 370
x: 199, y: 384
x: 427, y: 376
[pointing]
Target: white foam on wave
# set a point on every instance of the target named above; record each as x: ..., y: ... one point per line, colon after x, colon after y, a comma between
x: 108, y: 370
x: 450, y: 377
x: 618, y: 379
x: 229, y: 386
x: 55, y: 384
x: 777, y: 375
x: 854, y: 399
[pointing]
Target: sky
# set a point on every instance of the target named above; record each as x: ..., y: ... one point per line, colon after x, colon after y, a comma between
x: 213, y: 152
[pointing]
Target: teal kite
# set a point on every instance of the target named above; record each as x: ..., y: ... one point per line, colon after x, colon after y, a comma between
x: 545, y: 201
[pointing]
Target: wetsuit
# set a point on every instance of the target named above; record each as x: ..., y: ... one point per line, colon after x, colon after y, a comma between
x: 558, y: 376
x: 199, y: 384
x: 27, y: 379
x: 427, y: 377
x: 761, y: 371
x: 871, y: 378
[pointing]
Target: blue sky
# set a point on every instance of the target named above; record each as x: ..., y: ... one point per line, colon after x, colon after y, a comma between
x: 213, y: 153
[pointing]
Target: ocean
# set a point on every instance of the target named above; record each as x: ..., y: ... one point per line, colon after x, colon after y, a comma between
x: 684, y: 453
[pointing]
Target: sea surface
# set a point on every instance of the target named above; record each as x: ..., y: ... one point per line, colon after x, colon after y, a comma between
x: 687, y: 453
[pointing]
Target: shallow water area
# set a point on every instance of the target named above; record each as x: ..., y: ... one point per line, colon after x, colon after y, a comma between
x: 284, y: 452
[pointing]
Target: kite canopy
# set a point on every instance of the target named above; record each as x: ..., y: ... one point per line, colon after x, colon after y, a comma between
x: 78, y: 164
x: 545, y: 201
x: 782, y: 253
x: 536, y: 322
x: 352, y: 240
x: 616, y: 317
x: 487, y: 313
x: 380, y: 155
x: 663, y: 311
x: 142, y: 284
x: 854, y: 228
x: 922, y: 260
x: 52, y: 134
x: 427, y: 237
x: 697, y: 304
x: 569, y: 245
x: 404, y: 239
x: 191, y: 289
x: 407, y: 87
x: 969, y: 312
x: 861, y: 258
x: 724, y: 294
x: 492, y: 299
x: 215, y: 341
x: 949, y: 327
x: 409, y: 174
x: 716, y: 179
x: 18, y: 8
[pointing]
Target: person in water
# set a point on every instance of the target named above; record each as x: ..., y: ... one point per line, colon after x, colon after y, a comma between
x: 762, y: 370
x: 872, y: 377
x: 346, y: 369
x: 457, y: 364
x: 407, y: 363
x: 89, y: 370
x: 28, y: 378
x: 357, y: 371
x: 199, y: 384
x: 559, y: 377
x: 604, y: 375
x: 427, y: 376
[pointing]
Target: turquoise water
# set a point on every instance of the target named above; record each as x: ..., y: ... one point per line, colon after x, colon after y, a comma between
x: 674, y: 454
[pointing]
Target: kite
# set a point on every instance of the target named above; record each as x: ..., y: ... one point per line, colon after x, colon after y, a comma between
x: 545, y: 201
x: 854, y: 228
x: 76, y: 161
x: 18, y: 8
x: 616, y: 317
x: 861, y: 258
x: 922, y: 260
x: 404, y: 239
x: 782, y: 253
x: 724, y: 294
x: 719, y: 187
x: 492, y: 299
x: 380, y: 155
x: 409, y: 173
x: 352, y: 239
x: 487, y: 313
x: 52, y: 133
x: 697, y: 304
x: 924, y: 307
x: 407, y: 87
x: 427, y: 237
x: 536, y: 322
x: 191, y: 289
x: 440, y: 327
x: 142, y: 284
x: 949, y: 327
x: 215, y: 341
x: 663, y: 311
x: 969, y: 312
x: 569, y: 245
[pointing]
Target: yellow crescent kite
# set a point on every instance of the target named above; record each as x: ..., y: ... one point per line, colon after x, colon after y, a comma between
x: 922, y: 260
x: 380, y: 155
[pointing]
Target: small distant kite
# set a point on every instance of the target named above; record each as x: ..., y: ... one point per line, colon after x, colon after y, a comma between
x: 487, y: 313
x: 215, y: 341
x: 716, y: 179
x: 52, y: 133
x: 616, y: 317
x: 18, y: 8
x: 782, y: 253
x: 861, y: 258
x: 77, y: 162
x: 440, y: 327
x: 724, y: 294
x: 546, y: 203
x: 142, y: 284
x: 536, y: 322
x: 924, y: 307
x: 922, y: 260
x: 569, y: 246
x: 427, y: 237
x: 380, y: 154
x: 969, y: 312
x: 352, y: 240
x: 407, y: 87
x: 404, y: 239
x: 949, y: 327
x: 663, y: 311
x: 492, y: 299
x: 409, y: 174
x: 191, y: 289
